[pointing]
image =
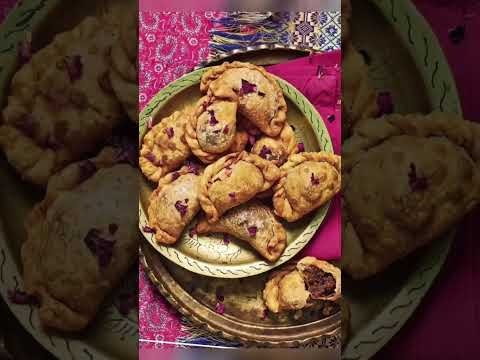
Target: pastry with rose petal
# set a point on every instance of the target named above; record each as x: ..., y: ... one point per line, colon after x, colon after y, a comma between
x: 260, y: 98
x: 233, y: 180
x: 174, y: 203
x: 302, y: 285
x: 277, y: 149
x: 81, y: 240
x: 212, y: 130
x: 254, y: 223
x: 164, y: 147
x: 308, y: 181
x: 408, y: 180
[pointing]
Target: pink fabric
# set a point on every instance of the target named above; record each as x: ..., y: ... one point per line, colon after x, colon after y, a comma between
x: 318, y: 77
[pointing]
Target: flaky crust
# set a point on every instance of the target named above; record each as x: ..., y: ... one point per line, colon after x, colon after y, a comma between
x: 163, y: 216
x: 243, y: 174
x: 267, y: 112
x: 198, y: 130
x: 359, y: 101
x: 423, y: 177
x: 270, y: 238
x: 328, y: 268
x: 279, y: 148
x: 295, y: 194
x: 163, y: 151
x: 58, y: 268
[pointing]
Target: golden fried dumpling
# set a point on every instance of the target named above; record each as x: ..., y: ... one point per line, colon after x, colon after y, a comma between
x: 408, y: 179
x: 212, y: 130
x: 233, y: 180
x: 307, y: 182
x: 81, y: 240
x: 300, y: 286
x: 253, y: 223
x: 164, y: 147
x: 174, y: 203
x: 277, y: 149
x: 260, y: 98
x: 359, y: 98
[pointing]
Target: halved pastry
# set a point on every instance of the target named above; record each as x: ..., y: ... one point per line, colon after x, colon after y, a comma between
x: 254, y: 223
x: 277, y: 149
x: 359, y: 101
x: 233, y: 180
x: 81, y: 239
x: 408, y: 179
x: 164, y: 146
x: 212, y: 130
x: 300, y: 286
x: 260, y: 98
x: 58, y: 111
x: 174, y: 203
x: 308, y: 181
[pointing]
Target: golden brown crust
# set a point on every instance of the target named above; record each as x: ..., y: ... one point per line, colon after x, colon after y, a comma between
x: 242, y: 174
x: 268, y: 112
x: 279, y: 148
x: 307, y: 182
x: 164, y: 147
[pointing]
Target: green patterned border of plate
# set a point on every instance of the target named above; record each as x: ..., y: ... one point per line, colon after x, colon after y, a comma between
x: 24, y: 18
x: 260, y: 266
x: 443, y: 96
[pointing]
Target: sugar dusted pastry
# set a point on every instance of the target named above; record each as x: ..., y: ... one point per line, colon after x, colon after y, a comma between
x: 164, y: 147
x: 212, y: 130
x: 260, y: 99
x: 174, y: 203
x: 277, y: 149
x: 301, y: 286
x: 253, y: 223
x: 407, y: 180
x: 81, y: 240
x: 359, y: 100
x: 233, y: 180
x: 307, y: 182
x: 58, y: 111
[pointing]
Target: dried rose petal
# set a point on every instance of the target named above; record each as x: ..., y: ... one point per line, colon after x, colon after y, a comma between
x: 20, y: 297
x: 252, y: 139
x: 265, y: 314
x: 226, y: 129
x: 226, y: 241
x: 102, y: 248
x: 175, y: 175
x: 220, y: 297
x: 213, y: 120
x: 181, y: 208
x: 149, y: 230
x: 220, y: 308
x: 170, y: 132
x: 385, y: 103
x: 151, y: 157
x: 314, y: 180
x: 252, y: 231
x: 265, y: 152
x: 331, y: 118
x: 301, y: 147
x: 193, y: 168
x: 416, y: 182
x: 247, y: 88
x: 87, y: 168
x: 232, y: 195
x: 74, y: 67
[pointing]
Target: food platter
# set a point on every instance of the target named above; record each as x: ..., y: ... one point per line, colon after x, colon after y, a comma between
x: 210, y: 255
x: 112, y: 335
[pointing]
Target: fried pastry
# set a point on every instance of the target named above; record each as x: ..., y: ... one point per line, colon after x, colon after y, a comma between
x: 253, y: 223
x: 174, y: 203
x: 81, y: 240
x: 301, y: 286
x: 260, y: 98
x: 212, y: 130
x: 408, y: 179
x: 57, y: 110
x: 233, y: 180
x: 359, y: 100
x: 164, y: 147
x: 277, y: 149
x: 307, y: 182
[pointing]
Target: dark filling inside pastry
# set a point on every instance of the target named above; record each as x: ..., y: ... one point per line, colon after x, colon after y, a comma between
x: 319, y: 283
